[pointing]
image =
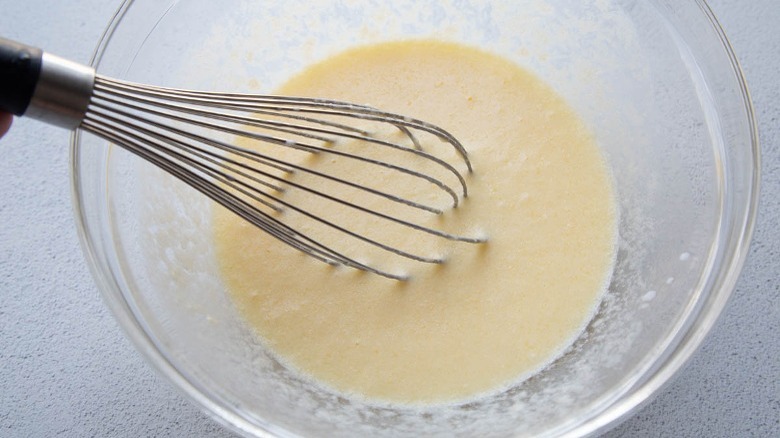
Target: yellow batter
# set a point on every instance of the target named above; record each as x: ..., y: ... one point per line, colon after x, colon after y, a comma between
x: 495, y: 312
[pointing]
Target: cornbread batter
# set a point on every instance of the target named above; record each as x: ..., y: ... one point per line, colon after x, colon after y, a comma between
x: 495, y: 312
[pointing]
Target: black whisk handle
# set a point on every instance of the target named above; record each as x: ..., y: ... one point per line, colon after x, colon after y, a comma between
x: 20, y: 68
x: 40, y: 85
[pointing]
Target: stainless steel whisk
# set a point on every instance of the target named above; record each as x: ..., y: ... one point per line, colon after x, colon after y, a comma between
x: 188, y: 134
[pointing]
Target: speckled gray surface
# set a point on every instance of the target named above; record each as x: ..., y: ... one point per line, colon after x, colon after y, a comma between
x: 67, y: 369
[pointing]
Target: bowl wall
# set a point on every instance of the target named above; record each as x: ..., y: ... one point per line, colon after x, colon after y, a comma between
x: 656, y: 82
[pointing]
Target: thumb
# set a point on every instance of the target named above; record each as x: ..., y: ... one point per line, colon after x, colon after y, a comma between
x: 5, y: 122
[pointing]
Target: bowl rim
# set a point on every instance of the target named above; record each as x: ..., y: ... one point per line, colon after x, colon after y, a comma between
x: 678, y: 352
x: 681, y: 350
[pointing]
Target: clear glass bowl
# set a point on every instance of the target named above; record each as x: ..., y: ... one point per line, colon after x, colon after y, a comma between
x: 656, y: 81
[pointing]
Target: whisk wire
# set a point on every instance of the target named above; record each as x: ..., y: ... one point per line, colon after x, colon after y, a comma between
x: 281, y: 105
x: 297, y: 129
x: 224, y: 177
x: 267, y: 160
x: 144, y: 120
x: 247, y: 211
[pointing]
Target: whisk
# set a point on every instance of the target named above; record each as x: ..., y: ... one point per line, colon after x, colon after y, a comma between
x: 203, y: 139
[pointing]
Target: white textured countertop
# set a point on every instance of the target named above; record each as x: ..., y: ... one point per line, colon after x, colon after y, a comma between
x: 67, y: 369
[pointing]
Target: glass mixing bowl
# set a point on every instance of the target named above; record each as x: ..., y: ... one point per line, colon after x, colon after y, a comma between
x: 656, y: 81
